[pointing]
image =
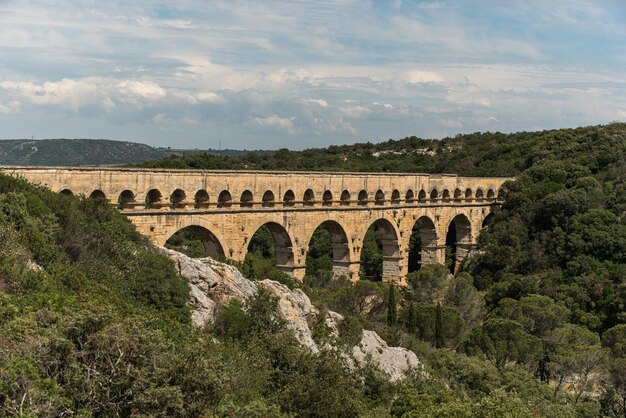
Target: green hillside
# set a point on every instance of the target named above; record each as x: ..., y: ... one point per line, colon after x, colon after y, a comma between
x: 478, y: 154
x: 78, y: 152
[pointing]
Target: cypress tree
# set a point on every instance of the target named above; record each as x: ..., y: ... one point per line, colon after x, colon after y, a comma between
x: 412, y: 318
x: 439, y: 339
x: 392, y: 310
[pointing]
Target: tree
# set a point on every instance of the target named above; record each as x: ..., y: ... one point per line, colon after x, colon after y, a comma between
x: 411, y: 318
x: 439, y: 338
x: 503, y: 341
x: 576, y: 354
x: 431, y: 283
x: 451, y: 324
x: 538, y: 314
x: 615, y: 340
x: 392, y: 308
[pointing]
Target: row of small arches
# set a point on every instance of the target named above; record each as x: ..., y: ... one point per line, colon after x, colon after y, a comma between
x: 178, y: 198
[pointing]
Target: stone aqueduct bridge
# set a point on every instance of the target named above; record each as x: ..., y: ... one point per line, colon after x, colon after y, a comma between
x: 226, y: 208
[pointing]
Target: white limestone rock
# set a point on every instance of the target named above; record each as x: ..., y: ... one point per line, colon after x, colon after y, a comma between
x: 395, y: 362
x: 296, y: 308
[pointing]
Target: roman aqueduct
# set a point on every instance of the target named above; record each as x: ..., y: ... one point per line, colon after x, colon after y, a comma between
x: 226, y: 208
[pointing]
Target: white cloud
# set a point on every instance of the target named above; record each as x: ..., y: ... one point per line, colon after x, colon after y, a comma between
x: 420, y: 76
x: 275, y: 121
x: 136, y: 91
x: 11, y: 107
x: 319, y: 102
x: 293, y: 72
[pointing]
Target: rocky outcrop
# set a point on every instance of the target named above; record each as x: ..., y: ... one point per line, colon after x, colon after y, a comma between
x: 393, y: 361
x: 296, y: 308
x: 214, y: 284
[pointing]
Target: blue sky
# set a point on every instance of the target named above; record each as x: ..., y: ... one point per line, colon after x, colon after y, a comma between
x: 299, y: 74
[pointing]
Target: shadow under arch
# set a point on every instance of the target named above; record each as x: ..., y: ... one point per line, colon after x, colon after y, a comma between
x: 422, y: 244
x: 126, y: 200
x: 97, y: 194
x: 196, y: 241
x: 335, y: 259
x: 458, y: 242
x: 380, y: 253
x: 283, y: 245
x: 487, y: 220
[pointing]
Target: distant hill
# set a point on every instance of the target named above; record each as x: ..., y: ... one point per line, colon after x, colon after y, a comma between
x: 77, y: 152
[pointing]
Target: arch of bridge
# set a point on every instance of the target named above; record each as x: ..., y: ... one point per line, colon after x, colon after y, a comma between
x: 234, y: 226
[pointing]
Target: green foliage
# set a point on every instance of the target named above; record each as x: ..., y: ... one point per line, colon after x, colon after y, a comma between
x: 615, y: 341
x: 319, y: 258
x: 392, y: 307
x: 188, y: 243
x: 439, y: 337
x: 411, y: 318
x: 503, y: 342
x: 536, y: 313
x: 372, y: 255
x: 575, y: 354
x: 431, y: 283
x: 443, y: 332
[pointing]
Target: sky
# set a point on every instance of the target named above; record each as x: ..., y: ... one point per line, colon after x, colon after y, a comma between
x: 297, y: 74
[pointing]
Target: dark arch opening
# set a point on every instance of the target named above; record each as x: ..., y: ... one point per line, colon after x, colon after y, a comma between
x: 246, y: 199
x: 67, y: 192
x: 126, y: 200
x: 479, y: 194
x: 422, y: 195
x: 270, y: 248
x: 422, y: 244
x: 224, y: 200
x: 379, y: 254
x: 490, y: 194
x: 445, y: 195
x: 177, y: 199
x: 379, y: 197
x: 362, y: 198
x: 97, y: 194
x: 196, y: 241
x: 468, y: 194
x: 153, y: 199
x: 458, y: 194
x: 289, y: 199
x: 327, y: 198
x: 328, y: 254
x: 308, y: 198
x: 345, y: 198
x: 410, y: 196
x: 268, y: 199
x: 488, y: 219
x: 458, y: 242
x: 395, y: 197
x: 201, y: 199
x: 434, y: 194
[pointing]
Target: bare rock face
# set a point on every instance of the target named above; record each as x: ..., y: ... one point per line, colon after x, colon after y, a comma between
x: 214, y: 284
x: 296, y: 308
x: 395, y: 362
